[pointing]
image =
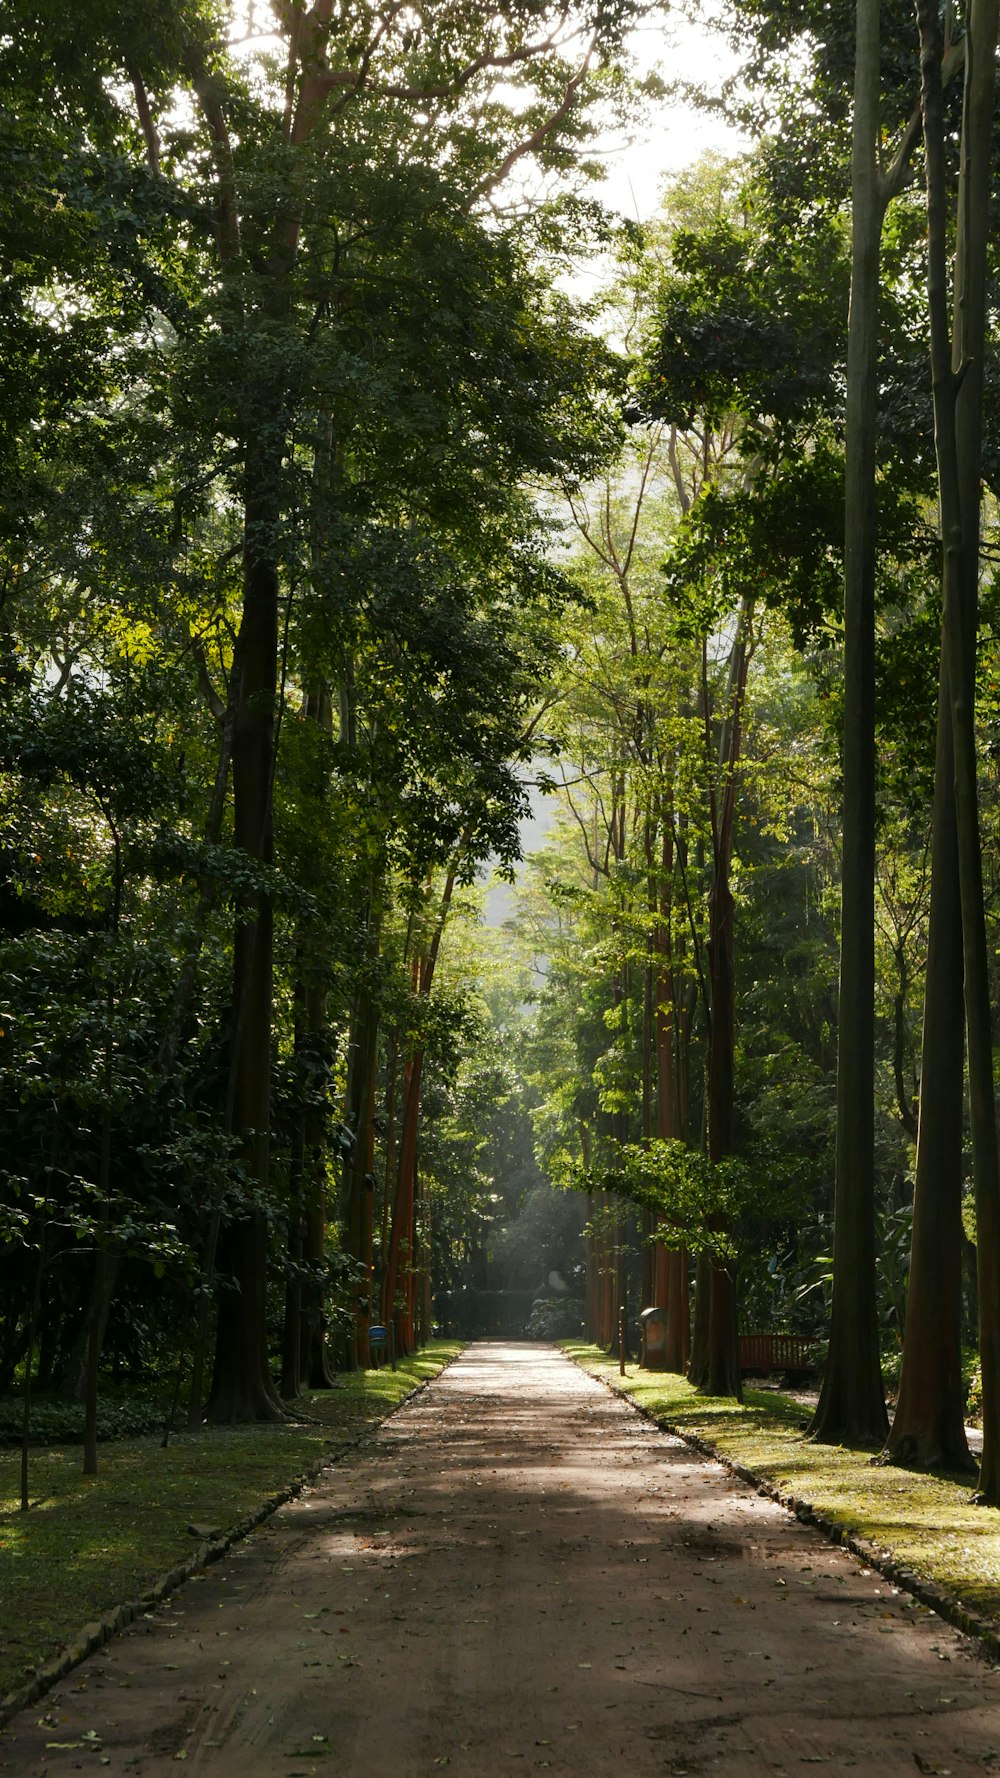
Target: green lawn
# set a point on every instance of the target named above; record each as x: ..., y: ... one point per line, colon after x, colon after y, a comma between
x: 929, y: 1524
x: 89, y: 1545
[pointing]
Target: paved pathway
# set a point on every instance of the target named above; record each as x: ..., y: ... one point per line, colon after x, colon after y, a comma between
x: 520, y: 1574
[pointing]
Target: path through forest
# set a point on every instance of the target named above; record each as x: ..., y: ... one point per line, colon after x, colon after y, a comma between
x: 519, y: 1573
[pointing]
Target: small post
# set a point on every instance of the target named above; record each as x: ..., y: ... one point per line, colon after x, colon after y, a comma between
x: 392, y: 1341
x: 621, y: 1340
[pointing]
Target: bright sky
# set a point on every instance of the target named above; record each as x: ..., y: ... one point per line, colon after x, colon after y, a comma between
x: 676, y: 133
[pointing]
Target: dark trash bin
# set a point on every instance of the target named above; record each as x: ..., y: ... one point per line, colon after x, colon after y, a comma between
x: 653, y: 1339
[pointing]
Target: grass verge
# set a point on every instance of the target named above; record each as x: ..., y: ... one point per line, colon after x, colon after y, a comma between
x: 89, y: 1544
x: 926, y: 1525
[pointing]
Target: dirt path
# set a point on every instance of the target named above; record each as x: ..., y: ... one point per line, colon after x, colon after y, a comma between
x: 519, y: 1574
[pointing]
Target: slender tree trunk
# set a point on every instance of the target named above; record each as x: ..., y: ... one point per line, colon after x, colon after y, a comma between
x: 106, y: 1266
x: 393, y: 1284
x: 315, y: 1362
x: 389, y: 1173
x: 721, y: 1363
x: 592, y: 1281
x: 29, y: 1359
x: 291, y: 1332
x: 648, y: 1221
x: 402, y: 1215
x: 670, y: 1289
x: 699, y: 1367
x: 621, y: 1304
x: 721, y: 1369
x: 356, y: 1201
x: 99, y: 1305
x: 852, y: 1404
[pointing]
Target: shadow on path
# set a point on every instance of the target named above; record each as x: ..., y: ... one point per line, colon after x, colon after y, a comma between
x: 521, y: 1573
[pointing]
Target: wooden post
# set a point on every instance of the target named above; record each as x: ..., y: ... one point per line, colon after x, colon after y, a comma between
x: 621, y: 1340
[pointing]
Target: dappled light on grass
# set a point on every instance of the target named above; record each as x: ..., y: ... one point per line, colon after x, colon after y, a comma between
x: 929, y: 1522
x: 517, y: 1533
x: 87, y: 1545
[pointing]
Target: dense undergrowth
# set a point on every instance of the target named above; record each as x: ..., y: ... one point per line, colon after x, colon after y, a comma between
x: 87, y: 1545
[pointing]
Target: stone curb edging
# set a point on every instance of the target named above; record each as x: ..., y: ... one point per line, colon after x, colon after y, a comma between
x: 947, y: 1606
x: 93, y: 1636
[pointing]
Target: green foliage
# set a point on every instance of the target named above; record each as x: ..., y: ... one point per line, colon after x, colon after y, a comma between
x: 706, y: 1204
x: 556, y: 1318
x: 134, y: 1413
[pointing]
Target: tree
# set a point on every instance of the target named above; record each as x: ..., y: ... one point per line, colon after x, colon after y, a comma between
x: 957, y: 365
x: 852, y: 1404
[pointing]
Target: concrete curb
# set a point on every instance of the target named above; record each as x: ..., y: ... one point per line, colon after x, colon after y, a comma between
x: 93, y: 1636
x: 947, y: 1606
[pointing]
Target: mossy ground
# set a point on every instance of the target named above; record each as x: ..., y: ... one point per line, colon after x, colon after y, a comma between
x: 929, y: 1523
x: 87, y: 1545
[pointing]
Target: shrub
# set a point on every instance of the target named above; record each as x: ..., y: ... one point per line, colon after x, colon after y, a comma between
x: 556, y: 1318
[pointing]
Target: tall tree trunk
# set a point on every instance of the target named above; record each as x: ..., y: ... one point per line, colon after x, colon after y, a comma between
x: 242, y: 1388
x: 957, y: 377
x: 975, y: 193
x: 648, y: 1220
x: 107, y: 1261
x: 670, y: 1290
x: 928, y: 1425
x: 721, y: 1362
x: 852, y: 1405
x: 389, y: 1174
x: 721, y: 1370
x: 400, y: 1233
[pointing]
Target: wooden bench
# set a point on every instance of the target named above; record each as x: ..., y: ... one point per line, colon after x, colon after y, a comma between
x: 777, y: 1352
